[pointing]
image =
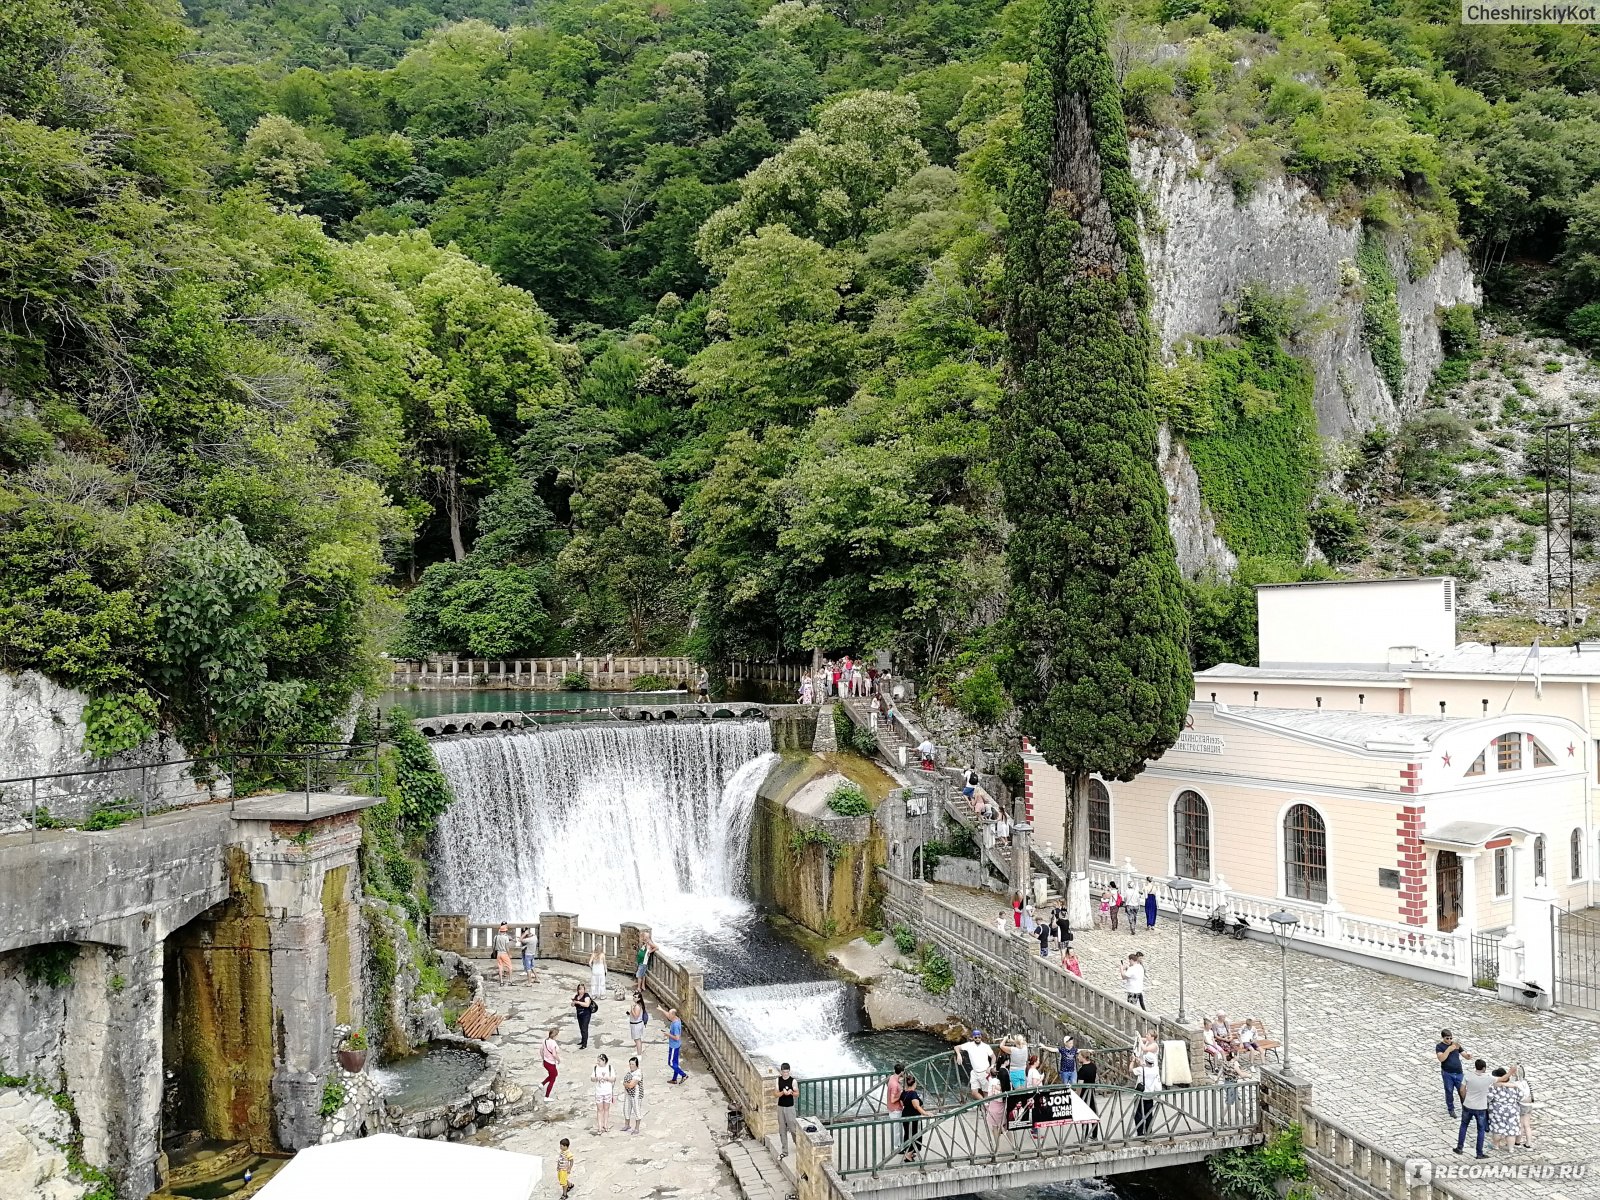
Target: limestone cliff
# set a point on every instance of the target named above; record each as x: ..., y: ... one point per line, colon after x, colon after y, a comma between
x: 1202, y: 245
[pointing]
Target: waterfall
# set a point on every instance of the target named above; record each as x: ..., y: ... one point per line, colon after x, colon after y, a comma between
x: 804, y: 1024
x: 646, y: 821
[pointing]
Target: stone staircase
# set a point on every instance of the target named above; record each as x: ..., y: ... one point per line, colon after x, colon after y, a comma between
x: 945, y: 791
x: 758, y: 1175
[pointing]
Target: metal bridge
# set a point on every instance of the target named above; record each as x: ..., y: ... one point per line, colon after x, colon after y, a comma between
x: 1024, y: 1137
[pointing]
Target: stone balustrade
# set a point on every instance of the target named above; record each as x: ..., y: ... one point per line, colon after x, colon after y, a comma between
x: 1443, y: 957
x: 604, y: 673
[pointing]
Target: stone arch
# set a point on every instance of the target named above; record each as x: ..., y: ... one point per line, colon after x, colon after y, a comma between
x: 753, y: 712
x: 508, y: 723
x: 450, y: 728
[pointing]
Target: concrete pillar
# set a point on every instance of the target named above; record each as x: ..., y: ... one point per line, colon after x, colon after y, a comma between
x: 1283, y: 1098
x: 1537, y: 924
x: 1469, y: 892
x: 309, y: 897
x: 555, y: 936
x: 448, y: 931
x: 813, y: 1155
x: 1021, y: 863
x: 633, y: 936
x: 112, y: 1057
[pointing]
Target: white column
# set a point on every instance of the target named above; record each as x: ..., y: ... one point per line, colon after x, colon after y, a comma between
x: 1469, y: 892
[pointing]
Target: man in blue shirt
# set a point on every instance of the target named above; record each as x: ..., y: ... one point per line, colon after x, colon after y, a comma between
x: 1449, y: 1053
x: 675, y: 1045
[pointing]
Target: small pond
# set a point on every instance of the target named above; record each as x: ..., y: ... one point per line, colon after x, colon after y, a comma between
x: 434, y: 1078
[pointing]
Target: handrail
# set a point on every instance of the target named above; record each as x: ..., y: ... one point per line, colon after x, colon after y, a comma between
x: 1353, y: 1155
x: 975, y: 1130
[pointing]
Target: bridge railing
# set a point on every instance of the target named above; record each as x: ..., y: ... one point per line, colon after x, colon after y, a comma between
x: 1104, y: 1118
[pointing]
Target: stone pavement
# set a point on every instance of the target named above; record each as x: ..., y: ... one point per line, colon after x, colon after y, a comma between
x: 1365, y: 1041
x: 675, y: 1158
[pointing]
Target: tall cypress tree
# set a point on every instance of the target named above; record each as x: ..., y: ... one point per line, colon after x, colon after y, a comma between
x: 1096, y: 628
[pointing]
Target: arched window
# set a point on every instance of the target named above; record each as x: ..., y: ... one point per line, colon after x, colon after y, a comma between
x: 1541, y: 756
x: 1305, y: 854
x: 1191, y: 837
x: 1508, y: 752
x: 1539, y: 873
x: 1099, y: 822
x: 1577, y: 854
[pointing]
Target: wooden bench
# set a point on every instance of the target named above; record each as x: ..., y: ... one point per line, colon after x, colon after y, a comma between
x: 1264, y: 1044
x: 478, y: 1022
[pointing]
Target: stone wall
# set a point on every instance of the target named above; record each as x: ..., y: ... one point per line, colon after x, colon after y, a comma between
x: 32, y: 1166
x: 827, y: 895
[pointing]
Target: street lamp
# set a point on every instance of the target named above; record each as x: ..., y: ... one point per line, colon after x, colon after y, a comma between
x: 1180, y: 889
x: 1284, y: 927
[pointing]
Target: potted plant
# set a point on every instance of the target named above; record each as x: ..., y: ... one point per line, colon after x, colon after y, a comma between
x: 353, y: 1051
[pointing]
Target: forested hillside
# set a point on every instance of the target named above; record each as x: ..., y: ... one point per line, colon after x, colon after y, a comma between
x: 483, y: 325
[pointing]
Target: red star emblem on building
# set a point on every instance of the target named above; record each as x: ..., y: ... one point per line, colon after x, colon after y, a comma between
x: 1447, y: 760
x: 1571, y: 749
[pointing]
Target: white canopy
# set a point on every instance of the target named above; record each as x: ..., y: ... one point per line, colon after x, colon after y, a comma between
x: 398, y: 1168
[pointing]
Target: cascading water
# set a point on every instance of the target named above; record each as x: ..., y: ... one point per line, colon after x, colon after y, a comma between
x: 647, y: 821
x: 796, y: 1023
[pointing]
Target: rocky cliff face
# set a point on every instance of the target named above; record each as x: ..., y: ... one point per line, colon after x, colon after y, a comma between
x: 1201, y: 249
x: 1206, y: 245
x: 41, y: 733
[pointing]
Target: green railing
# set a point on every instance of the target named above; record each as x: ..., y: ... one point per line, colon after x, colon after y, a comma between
x: 940, y: 1080
x: 1001, y: 1130
x: 861, y: 1093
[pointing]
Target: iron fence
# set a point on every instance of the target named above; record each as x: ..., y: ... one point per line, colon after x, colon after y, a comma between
x: 1486, y: 959
x: 1008, y: 1128
x: 146, y: 789
x: 1576, y: 934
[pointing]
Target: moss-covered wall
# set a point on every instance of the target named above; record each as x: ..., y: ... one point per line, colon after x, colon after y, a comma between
x: 218, y: 1016
x: 825, y: 882
x: 341, y: 970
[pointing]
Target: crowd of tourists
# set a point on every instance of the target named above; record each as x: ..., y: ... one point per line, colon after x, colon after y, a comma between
x: 844, y: 678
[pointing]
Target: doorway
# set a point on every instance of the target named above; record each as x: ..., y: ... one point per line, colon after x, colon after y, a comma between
x: 1447, y: 882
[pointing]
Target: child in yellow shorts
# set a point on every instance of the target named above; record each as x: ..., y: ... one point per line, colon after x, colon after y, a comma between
x: 564, y: 1167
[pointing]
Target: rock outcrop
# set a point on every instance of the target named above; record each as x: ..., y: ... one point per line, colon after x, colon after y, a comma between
x: 42, y: 733
x: 32, y: 1165
x: 1203, y: 245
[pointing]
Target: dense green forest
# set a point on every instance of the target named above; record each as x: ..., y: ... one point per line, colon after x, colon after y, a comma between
x: 483, y: 325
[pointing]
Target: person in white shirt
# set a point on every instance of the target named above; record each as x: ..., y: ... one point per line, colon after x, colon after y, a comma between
x: 1147, y: 1081
x: 1133, y: 978
x: 980, y: 1053
x: 926, y: 748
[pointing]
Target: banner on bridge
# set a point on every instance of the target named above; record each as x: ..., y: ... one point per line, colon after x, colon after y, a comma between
x: 1048, y: 1107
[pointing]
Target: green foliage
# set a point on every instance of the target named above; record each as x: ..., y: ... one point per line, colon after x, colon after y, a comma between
x: 109, y: 814
x: 575, y: 681
x: 118, y: 983
x: 1380, y: 312
x: 803, y: 839
x: 655, y: 683
x: 1096, y: 627
x: 356, y: 1039
x: 980, y: 696
x: 51, y: 964
x: 423, y: 791
x: 1256, y: 450
x: 848, y: 800
x: 1337, y: 529
x: 1255, y: 1173
x: 118, y: 721
x: 938, y: 977
x: 873, y: 937
x: 905, y: 941
x: 332, y: 1099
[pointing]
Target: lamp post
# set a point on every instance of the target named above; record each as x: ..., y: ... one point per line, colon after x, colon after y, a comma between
x: 1180, y: 889
x: 1284, y: 927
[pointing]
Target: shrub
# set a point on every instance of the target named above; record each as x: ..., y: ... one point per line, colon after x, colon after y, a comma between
x: 904, y: 940
x: 332, y: 1098
x: 51, y: 964
x: 424, y: 793
x: 1336, y: 527
x: 1254, y: 1173
x: 937, y: 975
x: 575, y: 681
x: 1380, y: 313
x: 980, y: 696
x: 108, y: 814
x: 848, y: 800
x: 645, y: 683
x: 117, y: 722
x: 815, y: 835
